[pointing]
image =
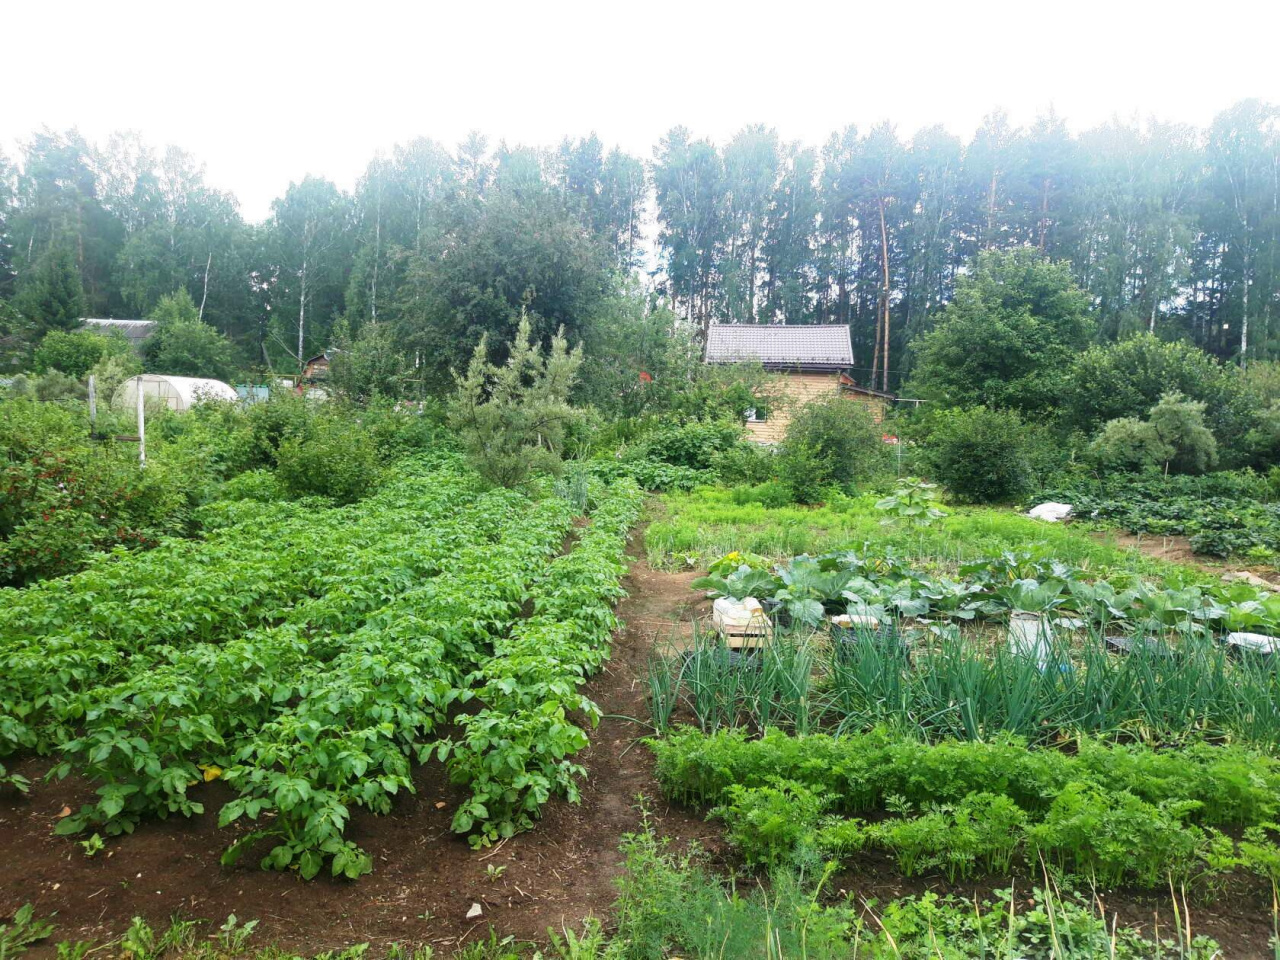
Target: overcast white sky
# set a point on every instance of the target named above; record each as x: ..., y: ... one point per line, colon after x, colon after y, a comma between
x: 268, y: 92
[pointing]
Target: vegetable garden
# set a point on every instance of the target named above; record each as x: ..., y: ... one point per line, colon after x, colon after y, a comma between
x: 309, y: 655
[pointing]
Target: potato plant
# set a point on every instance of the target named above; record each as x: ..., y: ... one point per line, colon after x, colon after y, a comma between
x: 317, y: 660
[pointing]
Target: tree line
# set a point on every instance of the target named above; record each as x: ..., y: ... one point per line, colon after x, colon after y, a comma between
x: 1167, y: 229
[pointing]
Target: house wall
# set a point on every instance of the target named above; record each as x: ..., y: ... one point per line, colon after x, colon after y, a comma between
x: 797, y: 390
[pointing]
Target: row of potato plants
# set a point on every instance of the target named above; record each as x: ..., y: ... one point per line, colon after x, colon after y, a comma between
x: 516, y: 751
x: 144, y: 736
x: 350, y: 738
x: 261, y: 580
x: 1112, y: 813
x: 315, y: 699
x: 328, y: 719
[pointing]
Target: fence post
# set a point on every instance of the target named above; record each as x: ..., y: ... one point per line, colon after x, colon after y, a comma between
x: 142, y: 430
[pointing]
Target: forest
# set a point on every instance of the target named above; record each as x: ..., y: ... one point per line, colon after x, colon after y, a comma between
x: 1168, y: 229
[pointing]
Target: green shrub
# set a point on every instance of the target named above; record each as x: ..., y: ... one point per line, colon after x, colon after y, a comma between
x: 694, y: 445
x: 74, y: 353
x: 770, y: 494
x: 63, y: 498
x: 841, y: 434
x: 283, y: 417
x: 1126, y: 378
x: 981, y: 455
x: 334, y: 459
x: 745, y: 463
x: 1172, y: 439
x: 405, y: 427
x: 804, y: 472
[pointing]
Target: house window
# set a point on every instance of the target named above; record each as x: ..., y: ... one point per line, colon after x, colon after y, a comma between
x: 755, y: 415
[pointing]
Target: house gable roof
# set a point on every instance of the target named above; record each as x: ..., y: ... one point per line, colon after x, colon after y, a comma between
x: 802, y: 346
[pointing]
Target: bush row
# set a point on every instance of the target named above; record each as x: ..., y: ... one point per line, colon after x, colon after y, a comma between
x: 515, y: 752
x: 1114, y: 813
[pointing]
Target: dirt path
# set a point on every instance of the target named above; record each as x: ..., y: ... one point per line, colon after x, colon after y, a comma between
x: 425, y: 879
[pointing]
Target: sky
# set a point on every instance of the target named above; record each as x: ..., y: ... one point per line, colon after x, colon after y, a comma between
x: 265, y: 93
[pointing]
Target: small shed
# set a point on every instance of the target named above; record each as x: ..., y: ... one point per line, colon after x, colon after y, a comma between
x: 135, y: 331
x: 812, y: 360
x: 178, y: 393
x: 317, y: 367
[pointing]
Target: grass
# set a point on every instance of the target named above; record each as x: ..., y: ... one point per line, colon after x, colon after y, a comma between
x: 674, y: 905
x: 692, y: 530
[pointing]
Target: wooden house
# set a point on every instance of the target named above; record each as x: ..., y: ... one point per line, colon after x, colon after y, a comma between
x: 317, y: 368
x: 812, y: 361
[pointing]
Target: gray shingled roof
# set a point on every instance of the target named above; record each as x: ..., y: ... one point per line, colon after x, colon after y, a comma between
x: 785, y: 345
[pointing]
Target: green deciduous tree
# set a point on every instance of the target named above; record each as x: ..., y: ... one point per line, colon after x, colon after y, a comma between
x: 1008, y: 337
x: 182, y: 345
x: 310, y: 247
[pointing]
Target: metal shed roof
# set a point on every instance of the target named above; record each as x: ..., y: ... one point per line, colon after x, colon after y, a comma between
x: 135, y: 330
x: 822, y: 346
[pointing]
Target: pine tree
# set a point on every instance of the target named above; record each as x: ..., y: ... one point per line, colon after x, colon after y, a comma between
x: 52, y: 297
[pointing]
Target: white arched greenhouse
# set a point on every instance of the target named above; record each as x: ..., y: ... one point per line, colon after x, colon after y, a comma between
x: 178, y: 393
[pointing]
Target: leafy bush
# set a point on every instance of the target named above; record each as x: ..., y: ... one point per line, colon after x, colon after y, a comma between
x: 63, y: 498
x: 695, y: 444
x: 981, y: 455
x: 1127, y: 378
x: 804, y: 472
x: 841, y: 434
x: 770, y: 494
x: 75, y: 353
x: 745, y: 463
x: 334, y: 459
x: 1173, y: 438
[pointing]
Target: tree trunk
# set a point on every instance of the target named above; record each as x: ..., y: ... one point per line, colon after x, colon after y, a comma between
x: 302, y: 311
x: 1044, y: 213
x: 991, y: 211
x: 1244, y: 312
x: 377, y: 255
x: 205, y: 295
x: 884, y: 260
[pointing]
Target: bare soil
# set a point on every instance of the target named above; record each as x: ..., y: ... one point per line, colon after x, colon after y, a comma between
x: 1178, y: 550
